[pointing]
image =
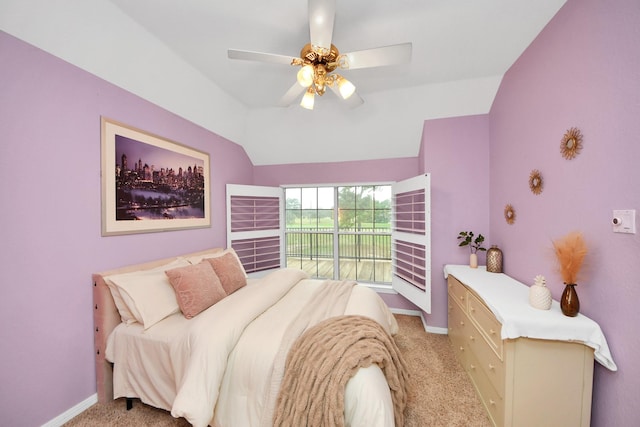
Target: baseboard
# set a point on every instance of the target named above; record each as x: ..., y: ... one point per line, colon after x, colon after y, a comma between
x: 427, y: 328
x: 436, y: 330
x: 406, y: 312
x: 72, y: 412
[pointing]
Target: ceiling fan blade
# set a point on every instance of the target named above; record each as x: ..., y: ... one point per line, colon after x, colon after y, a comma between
x: 321, y: 16
x: 378, y: 57
x: 294, y: 92
x: 260, y: 56
x: 352, y: 102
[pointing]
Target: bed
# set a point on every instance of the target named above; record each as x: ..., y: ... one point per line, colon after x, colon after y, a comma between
x: 257, y: 354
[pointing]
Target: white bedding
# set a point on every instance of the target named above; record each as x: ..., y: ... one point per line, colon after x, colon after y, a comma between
x: 216, y: 368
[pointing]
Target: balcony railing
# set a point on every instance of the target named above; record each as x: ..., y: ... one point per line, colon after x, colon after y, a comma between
x: 364, y: 255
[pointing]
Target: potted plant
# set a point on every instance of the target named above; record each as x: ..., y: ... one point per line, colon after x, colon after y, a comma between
x: 467, y: 239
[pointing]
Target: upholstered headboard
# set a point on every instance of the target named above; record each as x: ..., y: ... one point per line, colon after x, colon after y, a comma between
x: 106, y: 318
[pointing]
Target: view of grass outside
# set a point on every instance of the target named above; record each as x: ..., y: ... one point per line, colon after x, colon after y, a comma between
x: 355, y: 218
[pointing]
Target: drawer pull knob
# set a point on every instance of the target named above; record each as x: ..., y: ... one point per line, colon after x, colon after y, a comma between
x: 461, y: 348
x: 462, y: 323
x: 461, y: 298
x: 472, y: 366
x: 492, y: 332
x: 472, y: 309
x: 472, y: 338
x: 491, y: 367
x: 492, y: 402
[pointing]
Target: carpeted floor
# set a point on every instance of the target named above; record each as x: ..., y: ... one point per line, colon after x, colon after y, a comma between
x: 440, y: 394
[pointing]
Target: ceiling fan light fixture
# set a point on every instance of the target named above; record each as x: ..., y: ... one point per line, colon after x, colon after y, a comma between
x: 308, y: 99
x: 345, y: 87
x: 305, y: 75
x: 319, y: 59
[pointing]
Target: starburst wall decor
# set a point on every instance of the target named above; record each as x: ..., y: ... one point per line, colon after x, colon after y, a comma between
x: 509, y: 214
x: 535, y: 181
x: 571, y: 143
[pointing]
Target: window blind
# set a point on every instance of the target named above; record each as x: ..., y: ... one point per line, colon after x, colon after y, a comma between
x: 411, y: 240
x: 253, y: 226
x: 258, y: 254
x: 254, y: 213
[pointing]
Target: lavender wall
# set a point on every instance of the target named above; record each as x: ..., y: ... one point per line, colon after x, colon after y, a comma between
x: 337, y: 172
x: 50, y: 218
x: 455, y: 151
x: 581, y: 71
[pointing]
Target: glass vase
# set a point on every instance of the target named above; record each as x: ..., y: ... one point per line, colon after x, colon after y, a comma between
x: 569, y: 302
x: 494, y: 259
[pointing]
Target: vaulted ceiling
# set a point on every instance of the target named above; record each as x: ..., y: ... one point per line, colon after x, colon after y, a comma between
x: 174, y: 53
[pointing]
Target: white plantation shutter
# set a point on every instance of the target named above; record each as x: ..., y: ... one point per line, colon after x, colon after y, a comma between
x: 411, y: 240
x: 254, y: 225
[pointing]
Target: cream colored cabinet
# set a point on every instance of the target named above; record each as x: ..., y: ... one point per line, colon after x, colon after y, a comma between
x: 521, y: 382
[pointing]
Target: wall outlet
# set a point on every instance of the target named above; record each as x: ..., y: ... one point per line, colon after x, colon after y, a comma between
x: 624, y: 221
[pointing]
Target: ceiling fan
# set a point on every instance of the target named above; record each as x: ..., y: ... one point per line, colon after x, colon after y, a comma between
x: 320, y: 58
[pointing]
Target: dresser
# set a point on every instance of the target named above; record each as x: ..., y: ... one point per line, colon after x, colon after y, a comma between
x: 521, y: 381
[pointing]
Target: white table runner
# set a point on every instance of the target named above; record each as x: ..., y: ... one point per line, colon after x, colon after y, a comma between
x: 508, y: 299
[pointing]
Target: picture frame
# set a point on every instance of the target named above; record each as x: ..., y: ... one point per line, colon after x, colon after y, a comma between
x: 151, y: 184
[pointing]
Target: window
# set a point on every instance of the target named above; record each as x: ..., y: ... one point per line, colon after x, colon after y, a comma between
x: 368, y: 233
x: 340, y: 232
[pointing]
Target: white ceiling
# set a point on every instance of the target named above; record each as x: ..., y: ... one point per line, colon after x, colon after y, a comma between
x: 174, y: 53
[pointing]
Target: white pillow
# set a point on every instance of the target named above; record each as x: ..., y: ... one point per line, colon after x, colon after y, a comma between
x: 125, y: 314
x: 147, y: 294
x: 196, y: 259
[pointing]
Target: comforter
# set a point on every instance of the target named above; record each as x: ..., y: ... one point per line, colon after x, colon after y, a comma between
x: 221, y: 367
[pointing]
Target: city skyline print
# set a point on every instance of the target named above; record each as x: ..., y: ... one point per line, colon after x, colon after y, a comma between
x: 151, y: 184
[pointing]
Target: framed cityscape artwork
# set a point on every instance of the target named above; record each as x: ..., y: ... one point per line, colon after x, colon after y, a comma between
x: 151, y: 184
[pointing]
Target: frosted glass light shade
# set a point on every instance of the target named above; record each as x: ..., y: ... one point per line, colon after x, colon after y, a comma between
x: 308, y: 99
x: 345, y: 87
x: 305, y: 76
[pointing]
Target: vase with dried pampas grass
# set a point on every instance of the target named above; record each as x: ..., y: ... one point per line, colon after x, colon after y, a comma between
x: 570, y: 251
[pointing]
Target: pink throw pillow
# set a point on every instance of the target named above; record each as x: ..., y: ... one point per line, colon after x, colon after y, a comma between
x: 197, y: 288
x: 230, y: 272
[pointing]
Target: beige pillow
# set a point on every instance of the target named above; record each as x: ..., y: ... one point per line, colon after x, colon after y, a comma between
x: 126, y: 314
x: 148, y: 293
x: 230, y: 271
x: 197, y: 288
x: 196, y: 259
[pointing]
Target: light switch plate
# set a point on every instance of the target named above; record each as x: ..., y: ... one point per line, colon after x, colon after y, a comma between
x: 624, y: 221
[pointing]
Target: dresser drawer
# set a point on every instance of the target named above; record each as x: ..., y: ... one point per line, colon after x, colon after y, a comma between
x: 487, y: 359
x: 486, y: 321
x: 458, y: 320
x: 493, y: 402
x: 458, y: 331
x: 458, y: 292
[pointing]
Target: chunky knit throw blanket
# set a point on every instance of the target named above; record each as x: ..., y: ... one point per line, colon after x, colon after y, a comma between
x: 321, y: 362
x: 329, y: 300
